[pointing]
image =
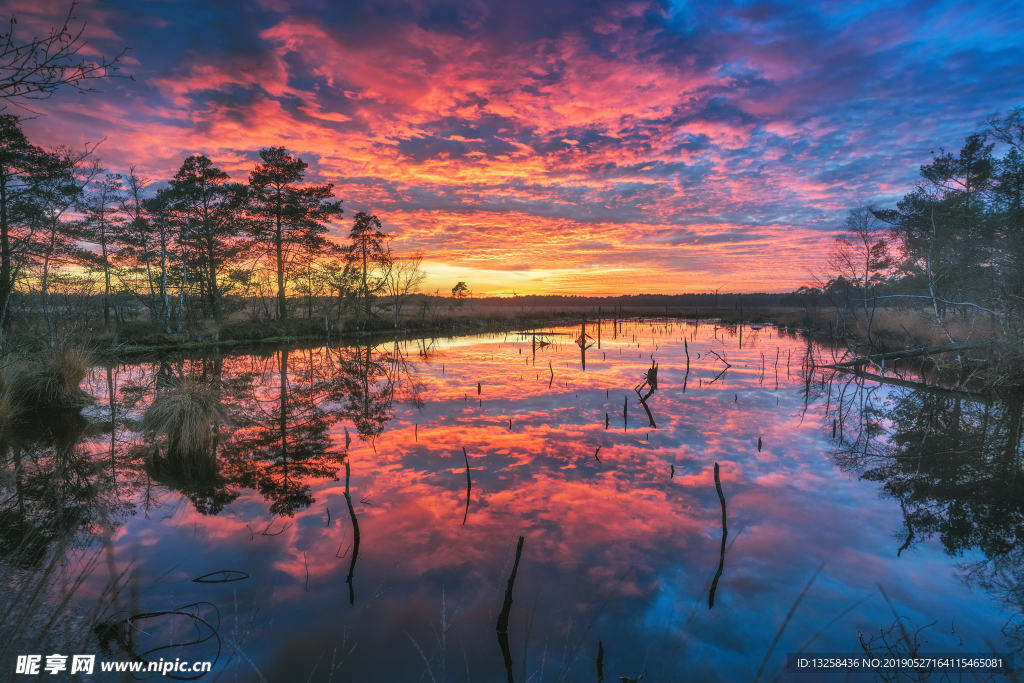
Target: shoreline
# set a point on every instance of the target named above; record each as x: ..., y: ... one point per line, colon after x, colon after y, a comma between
x: 449, y: 327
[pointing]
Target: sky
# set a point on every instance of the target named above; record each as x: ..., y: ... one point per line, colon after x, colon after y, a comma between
x: 558, y: 146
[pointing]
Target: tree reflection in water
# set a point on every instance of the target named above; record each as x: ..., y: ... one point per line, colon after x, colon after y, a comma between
x: 282, y: 439
x: 953, y: 461
x: 363, y: 388
x: 58, y: 499
x: 200, y: 479
x: 51, y: 490
x: 285, y: 409
x: 281, y: 409
x: 67, y: 482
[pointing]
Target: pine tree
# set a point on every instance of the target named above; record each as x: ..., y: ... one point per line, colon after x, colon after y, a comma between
x: 289, y: 218
x: 211, y: 206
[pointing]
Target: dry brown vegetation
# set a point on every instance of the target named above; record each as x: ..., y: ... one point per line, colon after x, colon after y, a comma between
x: 44, y: 383
x: 187, y: 417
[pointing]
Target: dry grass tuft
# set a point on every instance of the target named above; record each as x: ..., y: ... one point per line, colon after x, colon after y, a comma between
x: 50, y: 383
x: 187, y: 416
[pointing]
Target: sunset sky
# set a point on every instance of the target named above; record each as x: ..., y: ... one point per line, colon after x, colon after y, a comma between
x: 549, y: 146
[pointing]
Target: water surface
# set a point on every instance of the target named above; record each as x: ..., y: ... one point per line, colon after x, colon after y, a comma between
x: 857, y: 512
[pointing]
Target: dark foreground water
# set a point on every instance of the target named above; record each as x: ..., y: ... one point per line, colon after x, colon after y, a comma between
x: 863, y: 518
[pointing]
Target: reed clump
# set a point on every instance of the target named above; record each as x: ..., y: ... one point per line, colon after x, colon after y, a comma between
x: 186, y: 417
x: 47, y: 383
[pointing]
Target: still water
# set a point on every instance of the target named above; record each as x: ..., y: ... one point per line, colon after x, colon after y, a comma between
x: 362, y: 517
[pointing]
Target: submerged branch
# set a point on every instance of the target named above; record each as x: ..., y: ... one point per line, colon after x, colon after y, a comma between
x: 506, y: 607
x: 725, y: 534
x: 910, y: 384
x: 355, y: 537
x: 469, y: 486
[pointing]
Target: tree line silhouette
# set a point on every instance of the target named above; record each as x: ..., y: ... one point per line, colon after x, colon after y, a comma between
x: 188, y: 253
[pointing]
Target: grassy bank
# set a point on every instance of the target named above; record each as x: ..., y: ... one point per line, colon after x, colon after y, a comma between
x: 134, y: 334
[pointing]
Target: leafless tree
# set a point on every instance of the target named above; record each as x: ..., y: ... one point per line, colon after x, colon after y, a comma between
x: 860, y: 256
x: 36, y: 68
x: 404, y: 279
x: 1008, y: 129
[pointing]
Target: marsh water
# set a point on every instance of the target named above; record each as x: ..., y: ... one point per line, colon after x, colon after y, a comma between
x: 362, y: 517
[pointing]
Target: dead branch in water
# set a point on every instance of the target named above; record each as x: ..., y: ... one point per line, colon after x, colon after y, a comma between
x: 355, y: 536
x: 910, y: 384
x: 506, y: 608
x: 727, y: 363
x: 650, y: 381
x: 222, y: 576
x: 718, y: 376
x: 469, y: 486
x: 725, y: 534
x: 647, y: 410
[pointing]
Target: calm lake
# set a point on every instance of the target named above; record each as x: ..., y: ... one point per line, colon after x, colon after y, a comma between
x: 339, y: 540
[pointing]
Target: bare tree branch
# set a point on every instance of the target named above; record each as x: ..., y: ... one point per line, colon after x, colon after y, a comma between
x: 37, y: 68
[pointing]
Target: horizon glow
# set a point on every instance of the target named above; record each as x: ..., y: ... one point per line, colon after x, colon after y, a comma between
x: 590, y: 148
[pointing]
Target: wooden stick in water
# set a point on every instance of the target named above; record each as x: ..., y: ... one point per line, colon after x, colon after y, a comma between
x: 725, y: 534
x: 469, y: 486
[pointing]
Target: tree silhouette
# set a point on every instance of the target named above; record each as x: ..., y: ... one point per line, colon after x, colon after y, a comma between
x: 158, y: 227
x: 27, y: 177
x: 288, y: 218
x: 404, y: 278
x: 101, y: 226
x: 210, y: 203
x: 368, y: 264
x: 59, y: 191
x: 858, y: 264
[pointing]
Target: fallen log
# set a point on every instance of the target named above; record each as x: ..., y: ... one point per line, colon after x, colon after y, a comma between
x: 911, y: 384
x: 906, y: 353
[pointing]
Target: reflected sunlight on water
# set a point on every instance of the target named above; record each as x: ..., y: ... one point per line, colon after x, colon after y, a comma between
x: 621, y: 519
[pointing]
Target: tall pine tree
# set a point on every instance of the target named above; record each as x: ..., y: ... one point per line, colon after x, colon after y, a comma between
x: 288, y: 218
